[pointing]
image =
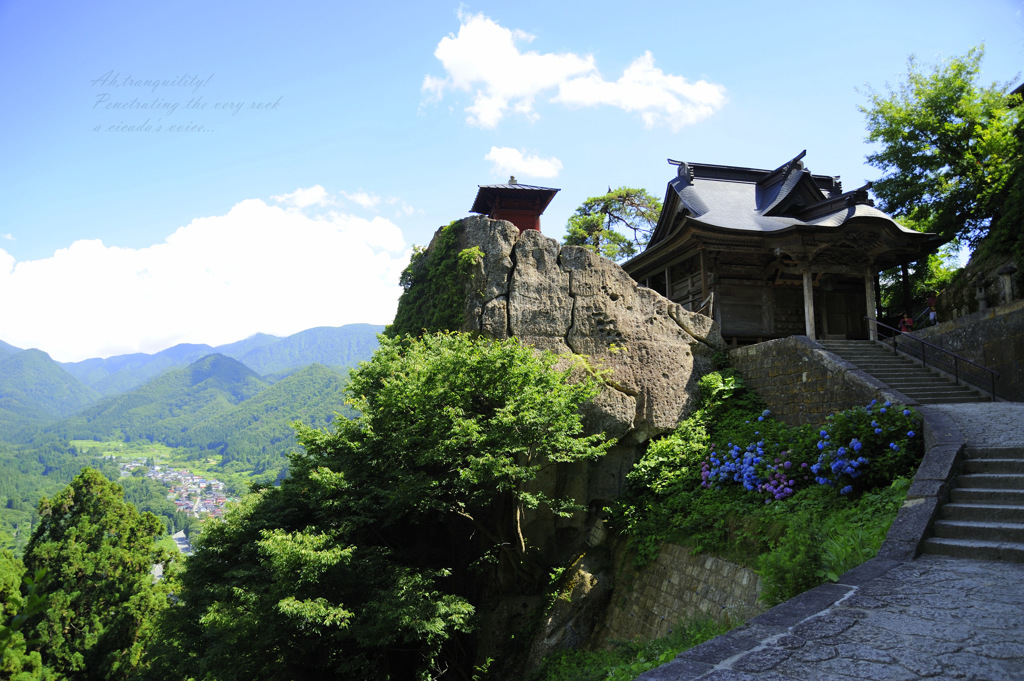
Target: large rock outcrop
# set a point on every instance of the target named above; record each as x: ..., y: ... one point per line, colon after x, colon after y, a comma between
x: 568, y: 299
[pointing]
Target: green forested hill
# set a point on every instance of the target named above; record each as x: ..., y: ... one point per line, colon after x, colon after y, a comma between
x: 35, y: 390
x: 167, y: 407
x: 6, y: 350
x: 116, y: 375
x: 220, y: 406
x: 343, y: 346
x: 239, y: 349
x: 257, y: 433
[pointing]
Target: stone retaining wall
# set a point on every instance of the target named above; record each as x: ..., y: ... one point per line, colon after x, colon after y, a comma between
x: 803, y: 383
x: 993, y: 338
x: 648, y: 602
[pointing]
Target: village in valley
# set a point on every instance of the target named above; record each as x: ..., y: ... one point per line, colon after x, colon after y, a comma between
x: 192, y: 494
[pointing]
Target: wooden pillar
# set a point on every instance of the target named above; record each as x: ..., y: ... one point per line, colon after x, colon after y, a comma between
x: 906, y: 289
x: 869, y: 297
x: 824, y: 309
x: 808, y: 305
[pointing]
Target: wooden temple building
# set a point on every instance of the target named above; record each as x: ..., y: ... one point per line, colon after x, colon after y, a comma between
x: 520, y: 204
x: 774, y: 253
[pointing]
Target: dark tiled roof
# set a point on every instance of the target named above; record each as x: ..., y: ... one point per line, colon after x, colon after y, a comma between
x: 765, y: 201
x: 529, y: 196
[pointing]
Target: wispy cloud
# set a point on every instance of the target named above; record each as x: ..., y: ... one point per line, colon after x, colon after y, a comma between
x: 402, y: 209
x: 303, y: 198
x: 8, y: 236
x: 364, y: 199
x: 260, y: 267
x: 507, y: 160
x: 485, y: 59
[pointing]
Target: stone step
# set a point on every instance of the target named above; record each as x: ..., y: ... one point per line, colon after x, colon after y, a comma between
x: 903, y: 374
x: 972, y: 512
x: 979, y: 550
x: 979, y: 530
x: 911, y: 391
x: 917, y: 382
x: 994, y: 453
x: 882, y: 363
x: 1009, y: 497
x: 942, y: 393
x: 990, y: 481
x: 960, y: 400
x: 994, y: 466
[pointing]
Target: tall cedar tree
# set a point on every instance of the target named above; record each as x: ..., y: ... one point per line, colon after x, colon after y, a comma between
x: 368, y: 562
x: 98, y: 552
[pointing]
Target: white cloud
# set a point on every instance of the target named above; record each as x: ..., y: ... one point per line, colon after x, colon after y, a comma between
x: 484, y: 59
x: 507, y: 160
x: 216, y: 280
x: 403, y: 209
x: 364, y: 199
x: 9, y: 237
x: 303, y: 198
x: 661, y: 99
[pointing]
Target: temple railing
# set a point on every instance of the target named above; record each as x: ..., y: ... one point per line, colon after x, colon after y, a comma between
x: 929, y: 354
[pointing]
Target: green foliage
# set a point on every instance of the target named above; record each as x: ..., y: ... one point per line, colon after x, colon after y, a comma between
x: 824, y: 537
x: 30, y: 472
x: 629, y: 659
x: 596, y: 223
x: 947, y: 146
x: 434, y: 286
x: 801, y: 505
x: 17, y: 662
x: 97, y: 552
x: 933, y: 274
x: 358, y: 565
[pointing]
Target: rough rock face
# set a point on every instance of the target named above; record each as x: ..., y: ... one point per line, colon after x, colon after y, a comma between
x: 565, y: 298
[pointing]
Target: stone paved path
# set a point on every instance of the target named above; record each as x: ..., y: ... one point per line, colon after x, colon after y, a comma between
x: 935, y: 618
x: 930, y: 618
x: 999, y: 424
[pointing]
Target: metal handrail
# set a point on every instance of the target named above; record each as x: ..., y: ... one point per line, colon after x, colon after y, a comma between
x: 956, y: 359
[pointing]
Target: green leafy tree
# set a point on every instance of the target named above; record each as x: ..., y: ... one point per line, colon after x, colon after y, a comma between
x: 17, y: 662
x: 369, y: 560
x: 946, y: 146
x: 596, y: 224
x: 97, y: 551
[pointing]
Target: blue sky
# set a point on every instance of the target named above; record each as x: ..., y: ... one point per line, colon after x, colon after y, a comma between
x: 199, y: 172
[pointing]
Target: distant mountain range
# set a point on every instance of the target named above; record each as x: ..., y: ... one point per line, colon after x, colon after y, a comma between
x: 334, y: 346
x: 188, y: 395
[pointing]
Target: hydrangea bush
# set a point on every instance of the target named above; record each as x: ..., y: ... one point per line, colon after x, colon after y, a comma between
x: 856, y: 450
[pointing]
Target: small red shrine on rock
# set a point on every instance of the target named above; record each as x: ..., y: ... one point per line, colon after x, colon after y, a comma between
x: 520, y: 204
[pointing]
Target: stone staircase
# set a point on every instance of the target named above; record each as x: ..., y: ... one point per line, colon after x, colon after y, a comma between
x: 984, y: 518
x: 901, y: 373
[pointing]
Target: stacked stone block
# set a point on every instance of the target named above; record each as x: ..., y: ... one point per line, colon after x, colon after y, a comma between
x: 803, y: 383
x: 649, y: 602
